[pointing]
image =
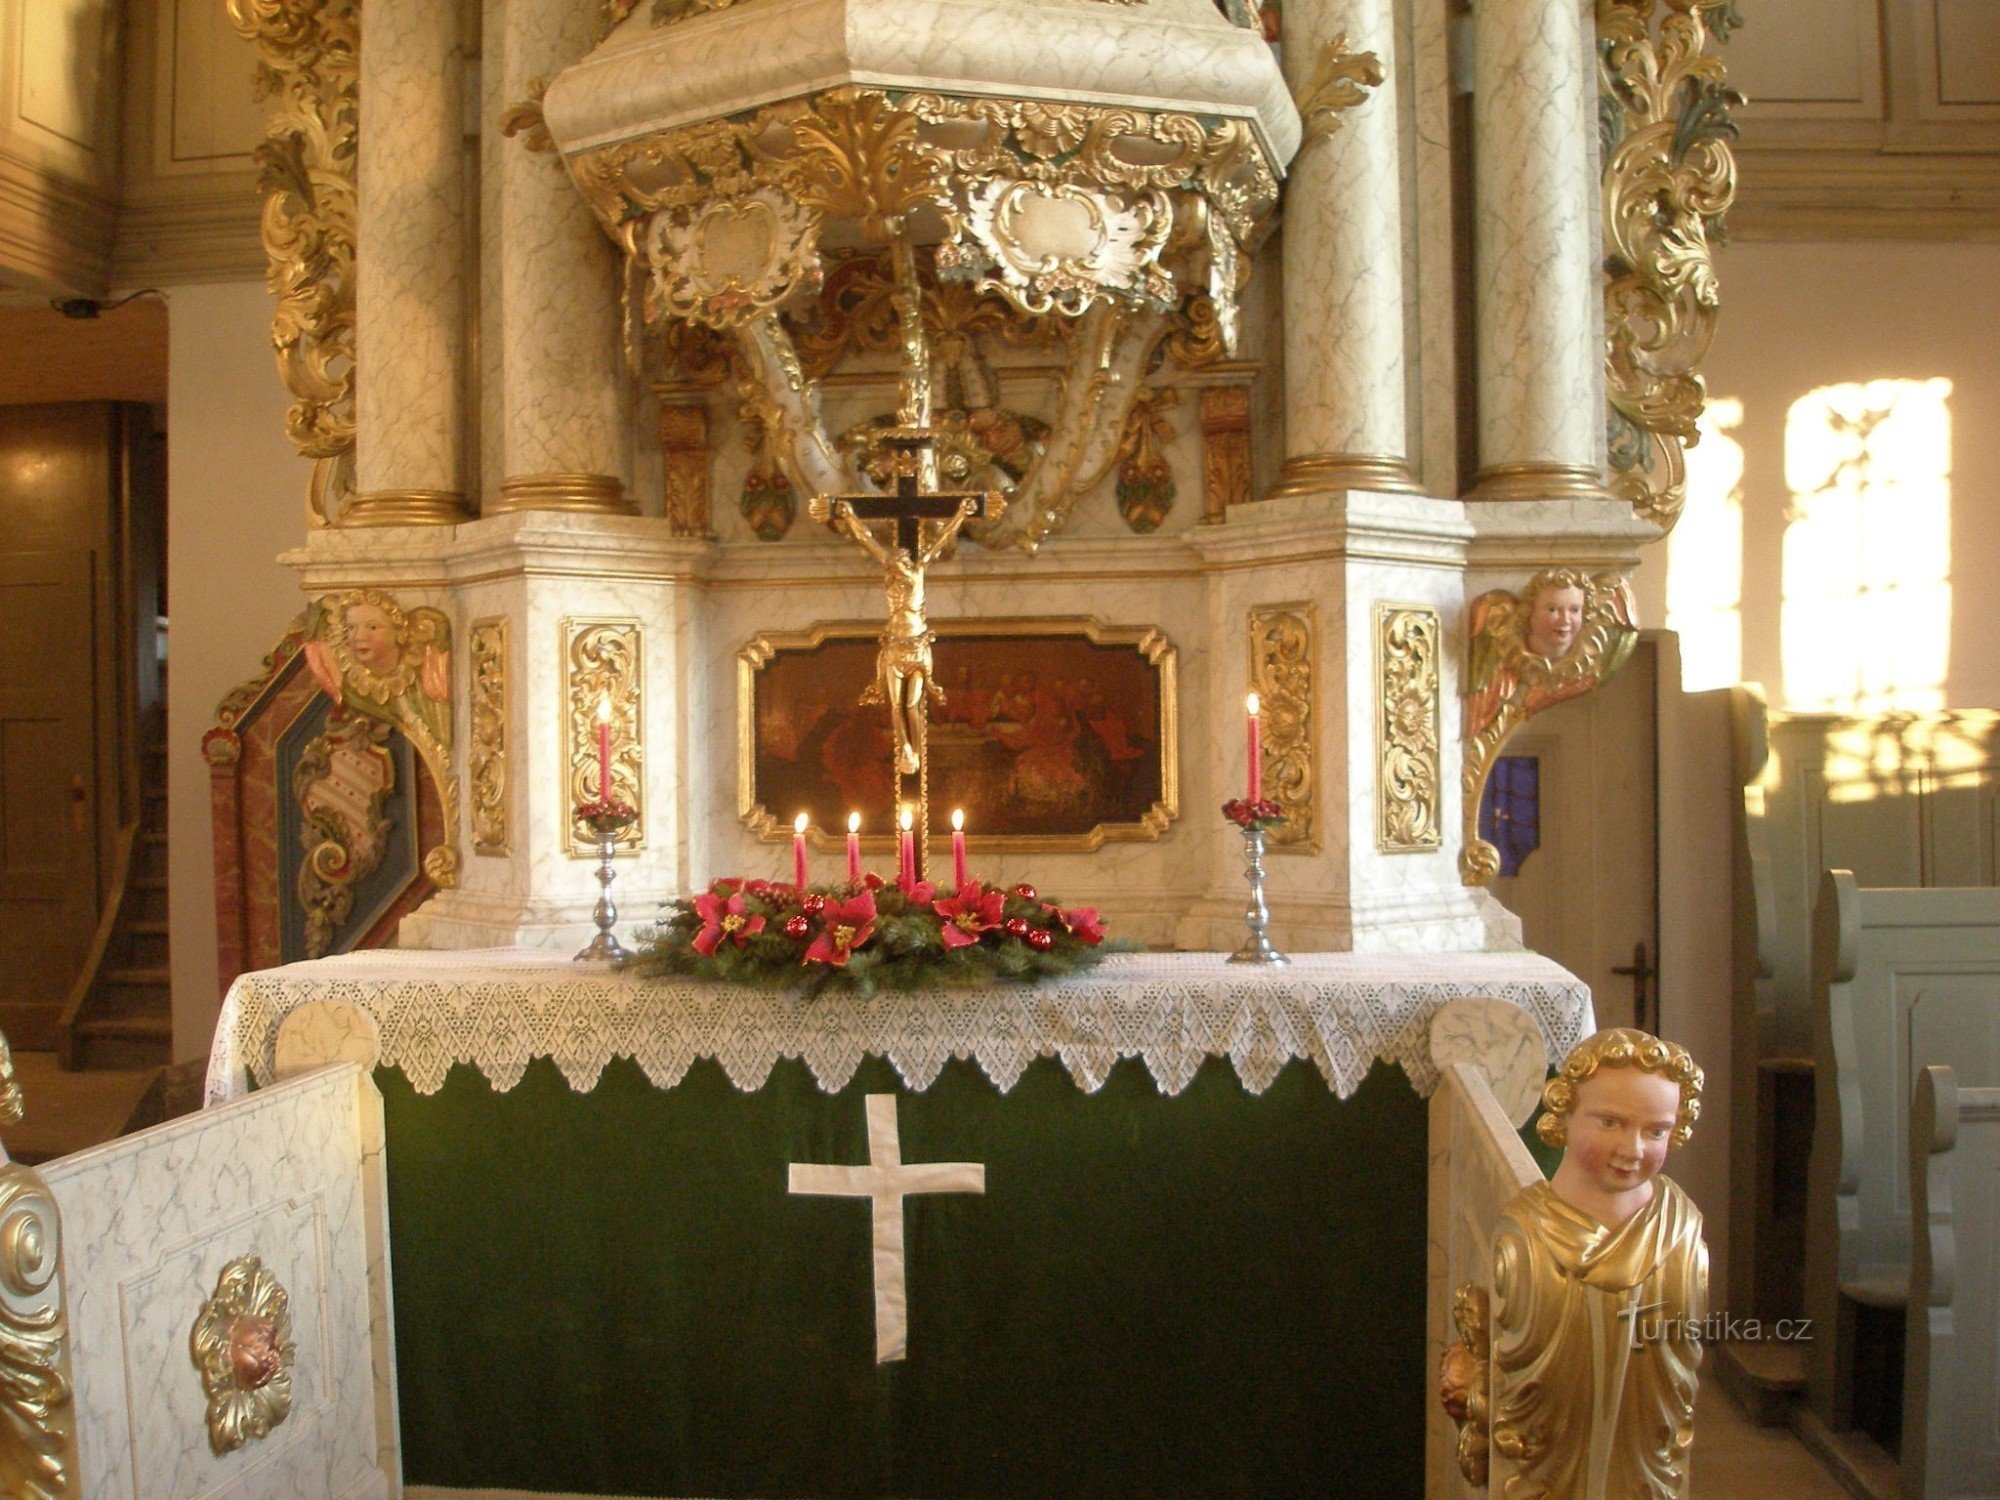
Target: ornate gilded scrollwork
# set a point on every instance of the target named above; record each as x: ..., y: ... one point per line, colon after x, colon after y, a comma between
x: 1225, y: 450
x: 38, y: 1459
x: 309, y: 54
x: 486, y: 755
x: 379, y: 660
x: 1145, y: 478
x: 1116, y: 217
x: 1340, y: 80
x: 1465, y: 1378
x: 1669, y: 178
x: 1408, y: 797
x: 242, y: 1345
x: 601, y: 664
x: 340, y: 783
x: 1284, y: 658
x: 1560, y: 637
x: 524, y: 119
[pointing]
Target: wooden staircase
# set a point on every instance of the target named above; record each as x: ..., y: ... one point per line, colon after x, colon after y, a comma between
x: 120, y: 1011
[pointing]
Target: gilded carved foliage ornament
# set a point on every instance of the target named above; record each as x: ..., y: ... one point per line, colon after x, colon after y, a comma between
x: 1408, y: 792
x: 38, y: 1457
x: 1562, y: 635
x: 1340, y: 81
x: 486, y: 756
x: 1284, y: 656
x: 1465, y: 1379
x: 341, y: 782
x: 381, y: 661
x: 1669, y: 179
x: 242, y: 1345
x: 309, y: 62
x: 602, y: 663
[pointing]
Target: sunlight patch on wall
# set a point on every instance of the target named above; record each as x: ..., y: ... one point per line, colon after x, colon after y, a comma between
x: 1867, y: 563
x: 1705, y: 555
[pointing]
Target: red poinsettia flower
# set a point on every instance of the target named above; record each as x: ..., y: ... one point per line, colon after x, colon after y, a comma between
x: 849, y: 924
x: 919, y: 893
x: 1083, y: 923
x: 723, y: 918
x: 969, y: 913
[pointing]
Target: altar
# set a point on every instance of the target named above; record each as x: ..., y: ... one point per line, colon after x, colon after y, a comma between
x: 631, y: 1233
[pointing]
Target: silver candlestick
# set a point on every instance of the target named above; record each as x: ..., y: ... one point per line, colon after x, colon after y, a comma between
x: 1257, y: 947
x: 605, y: 947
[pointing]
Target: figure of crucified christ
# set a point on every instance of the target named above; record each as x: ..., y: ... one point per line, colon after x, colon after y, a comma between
x: 903, y: 677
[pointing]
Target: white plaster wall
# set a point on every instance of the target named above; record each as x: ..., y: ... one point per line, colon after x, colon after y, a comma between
x: 235, y: 500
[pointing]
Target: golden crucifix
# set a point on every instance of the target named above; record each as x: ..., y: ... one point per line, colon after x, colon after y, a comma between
x: 927, y: 519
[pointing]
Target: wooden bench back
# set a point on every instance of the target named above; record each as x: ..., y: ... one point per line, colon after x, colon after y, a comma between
x: 1951, y: 1351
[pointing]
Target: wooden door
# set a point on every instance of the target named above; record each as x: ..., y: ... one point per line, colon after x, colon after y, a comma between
x: 48, y: 782
x: 1587, y: 895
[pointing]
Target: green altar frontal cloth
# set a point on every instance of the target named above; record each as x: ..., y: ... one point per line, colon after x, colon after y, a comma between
x: 617, y: 1291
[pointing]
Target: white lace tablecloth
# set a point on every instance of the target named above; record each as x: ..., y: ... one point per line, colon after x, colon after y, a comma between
x: 496, y: 1010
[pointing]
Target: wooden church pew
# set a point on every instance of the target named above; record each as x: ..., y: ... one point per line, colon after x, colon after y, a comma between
x: 1902, y: 979
x: 1951, y: 1361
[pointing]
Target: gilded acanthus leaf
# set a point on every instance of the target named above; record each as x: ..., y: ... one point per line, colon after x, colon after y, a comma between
x: 1669, y: 178
x: 1340, y: 80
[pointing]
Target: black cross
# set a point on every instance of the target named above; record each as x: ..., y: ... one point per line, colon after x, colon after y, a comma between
x: 907, y: 505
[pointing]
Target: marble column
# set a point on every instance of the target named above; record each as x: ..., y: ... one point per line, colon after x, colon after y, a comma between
x: 1537, y: 252
x: 409, y: 269
x: 566, y: 444
x: 1346, y: 424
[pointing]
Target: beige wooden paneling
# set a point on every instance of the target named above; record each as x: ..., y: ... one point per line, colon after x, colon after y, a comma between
x: 121, y: 356
x: 1820, y: 61
x: 210, y: 119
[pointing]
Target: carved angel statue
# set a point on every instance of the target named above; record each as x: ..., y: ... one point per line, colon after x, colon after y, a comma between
x: 1561, y: 636
x: 1600, y: 1285
x: 903, y: 671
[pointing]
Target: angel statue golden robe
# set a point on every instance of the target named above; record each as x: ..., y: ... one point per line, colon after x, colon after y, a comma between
x: 1600, y: 1286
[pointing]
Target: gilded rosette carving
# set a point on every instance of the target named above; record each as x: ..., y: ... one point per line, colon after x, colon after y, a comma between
x: 242, y: 1345
x: 1284, y: 658
x: 1560, y: 637
x: 1340, y: 81
x: 601, y: 665
x: 376, y: 659
x: 38, y: 1458
x: 309, y: 52
x: 1669, y: 179
x: 486, y: 755
x: 1409, y: 815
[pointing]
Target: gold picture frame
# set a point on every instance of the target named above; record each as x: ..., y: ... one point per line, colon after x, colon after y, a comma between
x: 1141, y: 746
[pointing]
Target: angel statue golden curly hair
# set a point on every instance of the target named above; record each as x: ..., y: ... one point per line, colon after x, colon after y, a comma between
x: 1620, y: 1047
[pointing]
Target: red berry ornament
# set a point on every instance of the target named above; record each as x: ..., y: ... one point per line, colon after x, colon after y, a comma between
x: 1041, y: 939
x: 798, y: 928
x: 1017, y: 927
x: 1025, y: 891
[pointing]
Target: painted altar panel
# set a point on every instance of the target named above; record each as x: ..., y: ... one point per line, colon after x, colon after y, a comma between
x: 1052, y: 734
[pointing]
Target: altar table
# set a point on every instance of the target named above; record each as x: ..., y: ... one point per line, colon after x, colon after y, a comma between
x: 1156, y: 1230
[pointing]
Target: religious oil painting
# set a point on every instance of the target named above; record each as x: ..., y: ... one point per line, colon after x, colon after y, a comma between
x: 1052, y: 734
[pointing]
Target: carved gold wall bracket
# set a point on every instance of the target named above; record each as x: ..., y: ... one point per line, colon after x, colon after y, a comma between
x: 602, y: 662
x: 310, y: 62
x: 38, y: 1452
x: 242, y: 1345
x: 1409, y: 775
x: 1560, y: 637
x: 1669, y: 179
x: 1284, y: 664
x: 1340, y: 81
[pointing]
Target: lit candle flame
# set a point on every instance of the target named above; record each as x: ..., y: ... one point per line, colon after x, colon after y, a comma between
x: 906, y: 818
x: 1252, y: 704
x: 958, y: 820
x: 854, y: 822
x: 800, y: 823
x: 604, y: 709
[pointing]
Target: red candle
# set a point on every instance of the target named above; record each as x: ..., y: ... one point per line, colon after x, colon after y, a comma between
x: 906, y: 864
x: 604, y: 749
x: 1256, y: 749
x: 799, y: 851
x: 958, y: 846
x: 854, y: 848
